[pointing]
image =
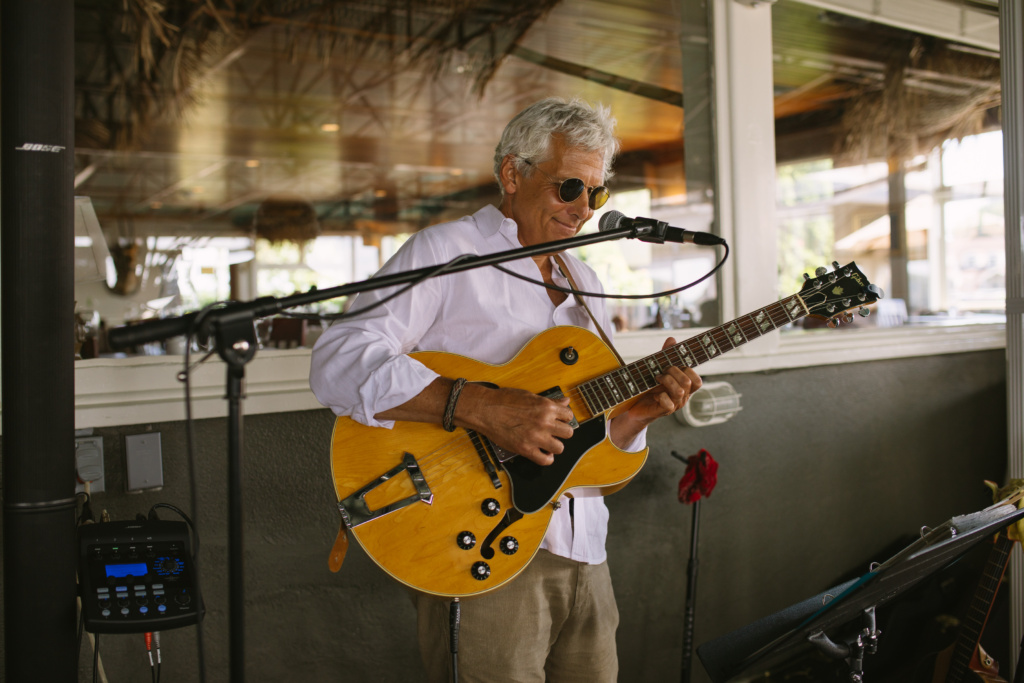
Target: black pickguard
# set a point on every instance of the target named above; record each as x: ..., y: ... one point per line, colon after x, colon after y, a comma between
x: 533, y: 485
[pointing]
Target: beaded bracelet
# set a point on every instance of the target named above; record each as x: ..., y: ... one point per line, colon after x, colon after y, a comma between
x: 448, y: 422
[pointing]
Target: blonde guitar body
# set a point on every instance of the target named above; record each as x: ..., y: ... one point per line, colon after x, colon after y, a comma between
x: 423, y: 503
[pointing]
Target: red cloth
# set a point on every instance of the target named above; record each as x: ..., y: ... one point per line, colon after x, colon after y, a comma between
x: 700, y: 477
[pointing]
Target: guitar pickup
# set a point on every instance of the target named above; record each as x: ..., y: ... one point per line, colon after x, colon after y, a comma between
x: 355, y: 511
x: 480, y: 444
x: 555, y: 393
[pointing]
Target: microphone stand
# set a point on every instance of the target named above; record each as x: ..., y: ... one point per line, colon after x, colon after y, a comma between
x: 232, y: 328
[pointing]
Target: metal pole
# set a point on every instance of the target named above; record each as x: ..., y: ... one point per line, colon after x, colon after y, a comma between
x: 1011, y: 30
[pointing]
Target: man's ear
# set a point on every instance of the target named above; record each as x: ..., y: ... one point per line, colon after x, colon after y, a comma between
x: 509, y: 174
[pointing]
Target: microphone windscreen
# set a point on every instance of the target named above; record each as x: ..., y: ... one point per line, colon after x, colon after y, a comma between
x: 610, y: 221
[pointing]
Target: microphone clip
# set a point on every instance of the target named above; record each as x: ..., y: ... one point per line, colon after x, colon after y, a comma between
x: 650, y: 230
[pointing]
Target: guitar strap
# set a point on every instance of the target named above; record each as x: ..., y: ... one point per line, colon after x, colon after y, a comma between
x: 572, y: 283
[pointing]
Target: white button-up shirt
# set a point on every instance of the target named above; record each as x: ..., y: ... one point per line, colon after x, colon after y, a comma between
x: 360, y: 366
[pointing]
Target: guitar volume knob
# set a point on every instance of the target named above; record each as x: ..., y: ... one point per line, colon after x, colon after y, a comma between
x: 490, y: 507
x: 465, y: 540
x: 480, y: 571
x: 509, y: 545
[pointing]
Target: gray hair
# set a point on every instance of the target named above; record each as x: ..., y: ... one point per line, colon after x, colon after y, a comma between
x: 527, y: 136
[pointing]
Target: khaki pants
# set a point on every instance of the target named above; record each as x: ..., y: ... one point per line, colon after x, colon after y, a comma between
x: 555, y: 622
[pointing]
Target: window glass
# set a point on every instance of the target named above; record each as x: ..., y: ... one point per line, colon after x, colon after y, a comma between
x: 316, y: 145
x: 889, y: 154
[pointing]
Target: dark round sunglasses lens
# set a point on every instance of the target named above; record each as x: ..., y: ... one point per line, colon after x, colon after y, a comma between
x: 598, y: 197
x: 570, y: 189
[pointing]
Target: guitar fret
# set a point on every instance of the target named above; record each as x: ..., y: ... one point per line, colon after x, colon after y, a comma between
x: 647, y: 377
x: 710, y: 347
x: 606, y: 401
x: 778, y: 315
x: 735, y: 333
x: 796, y: 308
x: 652, y: 366
x: 722, y: 338
x: 608, y: 381
x: 631, y: 387
x: 764, y: 321
x: 588, y: 397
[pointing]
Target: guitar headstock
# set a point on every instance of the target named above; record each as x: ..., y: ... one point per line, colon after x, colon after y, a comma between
x: 832, y: 295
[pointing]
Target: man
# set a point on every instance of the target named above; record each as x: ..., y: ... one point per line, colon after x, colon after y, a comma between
x: 556, y: 621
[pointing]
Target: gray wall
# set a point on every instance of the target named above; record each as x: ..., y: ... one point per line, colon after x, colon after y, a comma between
x: 821, y: 469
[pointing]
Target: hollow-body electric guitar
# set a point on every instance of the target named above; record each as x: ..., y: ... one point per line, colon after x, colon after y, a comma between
x: 453, y: 514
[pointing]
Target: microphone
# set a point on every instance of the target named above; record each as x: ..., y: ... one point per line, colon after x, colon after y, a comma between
x: 650, y: 230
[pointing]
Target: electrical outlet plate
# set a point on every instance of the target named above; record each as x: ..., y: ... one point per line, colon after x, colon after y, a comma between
x: 89, y: 464
x: 144, y: 461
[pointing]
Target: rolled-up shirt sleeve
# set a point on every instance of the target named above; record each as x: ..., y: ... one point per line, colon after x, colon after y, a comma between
x: 359, y: 365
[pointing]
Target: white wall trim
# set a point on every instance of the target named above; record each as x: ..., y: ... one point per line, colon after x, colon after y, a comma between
x: 114, y: 392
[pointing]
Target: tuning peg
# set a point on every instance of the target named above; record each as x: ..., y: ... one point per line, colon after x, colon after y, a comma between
x: 806, y: 277
x: 833, y: 323
x: 835, y: 264
x: 876, y: 290
x: 831, y: 308
x: 847, y: 317
x: 864, y: 311
x: 820, y: 270
x: 847, y: 302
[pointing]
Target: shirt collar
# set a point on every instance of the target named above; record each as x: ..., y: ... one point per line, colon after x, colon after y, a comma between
x: 491, y: 221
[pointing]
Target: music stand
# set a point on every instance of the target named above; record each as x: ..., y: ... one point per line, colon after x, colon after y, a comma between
x: 840, y: 622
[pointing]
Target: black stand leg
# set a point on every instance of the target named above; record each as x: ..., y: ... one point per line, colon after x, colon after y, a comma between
x: 236, y: 547
x: 1018, y: 676
x: 454, y: 621
x: 236, y: 344
x: 691, y: 596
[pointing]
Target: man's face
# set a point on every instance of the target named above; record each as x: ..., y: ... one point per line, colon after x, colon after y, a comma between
x: 532, y: 200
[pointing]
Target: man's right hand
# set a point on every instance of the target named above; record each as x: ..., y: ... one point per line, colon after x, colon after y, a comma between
x: 516, y: 420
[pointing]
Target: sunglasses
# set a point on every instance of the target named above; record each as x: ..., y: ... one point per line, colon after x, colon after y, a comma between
x: 570, y: 189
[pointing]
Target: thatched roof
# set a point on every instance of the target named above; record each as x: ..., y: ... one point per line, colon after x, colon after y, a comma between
x: 176, y: 42
x: 932, y: 92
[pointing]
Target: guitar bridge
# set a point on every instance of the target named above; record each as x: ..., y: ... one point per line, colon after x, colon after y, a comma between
x: 355, y: 511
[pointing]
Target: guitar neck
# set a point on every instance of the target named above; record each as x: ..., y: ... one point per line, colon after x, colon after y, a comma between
x: 623, y: 384
x: 974, y: 622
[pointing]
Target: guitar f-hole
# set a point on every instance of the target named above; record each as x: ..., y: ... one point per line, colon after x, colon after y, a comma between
x: 511, y: 517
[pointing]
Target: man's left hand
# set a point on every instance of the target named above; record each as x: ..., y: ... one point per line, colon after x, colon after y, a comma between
x: 676, y: 386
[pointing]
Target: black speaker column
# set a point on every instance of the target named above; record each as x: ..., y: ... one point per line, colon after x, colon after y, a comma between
x: 37, y: 318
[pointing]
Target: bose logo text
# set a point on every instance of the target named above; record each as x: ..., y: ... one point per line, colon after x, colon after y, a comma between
x: 36, y: 147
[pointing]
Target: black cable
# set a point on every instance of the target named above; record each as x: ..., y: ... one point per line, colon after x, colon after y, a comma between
x: 188, y: 520
x: 81, y: 631
x: 185, y: 377
x: 85, y: 516
x: 602, y: 295
x: 95, y: 655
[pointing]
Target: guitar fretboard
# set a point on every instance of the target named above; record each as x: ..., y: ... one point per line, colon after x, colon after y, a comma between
x: 618, y: 386
x: 977, y: 614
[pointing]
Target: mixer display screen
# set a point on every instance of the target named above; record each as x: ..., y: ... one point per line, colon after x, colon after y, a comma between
x: 119, y: 571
